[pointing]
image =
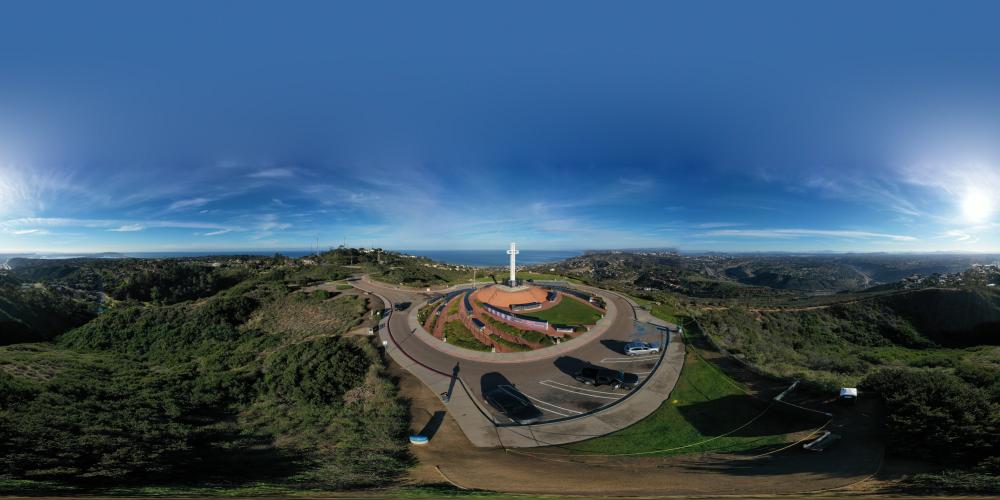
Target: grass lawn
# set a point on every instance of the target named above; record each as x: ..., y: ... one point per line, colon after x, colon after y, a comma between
x: 526, y: 275
x: 704, y: 405
x: 460, y: 336
x: 666, y: 313
x: 568, y: 312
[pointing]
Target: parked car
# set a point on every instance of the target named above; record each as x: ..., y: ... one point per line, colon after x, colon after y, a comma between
x: 597, y: 376
x: 516, y: 408
x: 641, y: 348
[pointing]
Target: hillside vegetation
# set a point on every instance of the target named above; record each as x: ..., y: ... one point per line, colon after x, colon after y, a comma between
x: 36, y: 313
x: 841, y: 343
x: 206, y: 391
x: 927, y: 346
x: 759, y: 278
x: 147, y: 280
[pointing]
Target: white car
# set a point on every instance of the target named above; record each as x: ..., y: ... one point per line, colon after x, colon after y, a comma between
x: 641, y: 348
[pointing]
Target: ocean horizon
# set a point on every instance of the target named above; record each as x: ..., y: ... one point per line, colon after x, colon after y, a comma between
x: 475, y: 258
x: 490, y: 258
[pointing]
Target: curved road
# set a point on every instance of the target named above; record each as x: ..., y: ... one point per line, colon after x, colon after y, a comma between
x: 548, y: 382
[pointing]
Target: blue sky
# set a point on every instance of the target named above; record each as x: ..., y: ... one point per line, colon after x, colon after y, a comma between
x: 171, y: 126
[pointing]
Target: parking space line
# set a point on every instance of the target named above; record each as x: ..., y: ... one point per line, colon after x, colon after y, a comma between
x: 517, y: 394
x: 578, y: 392
x: 629, y: 359
x: 566, y: 386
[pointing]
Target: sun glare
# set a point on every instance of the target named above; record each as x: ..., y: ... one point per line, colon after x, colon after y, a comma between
x: 977, y: 206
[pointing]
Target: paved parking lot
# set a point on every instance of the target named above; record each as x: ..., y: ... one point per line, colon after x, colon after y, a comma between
x: 557, y: 394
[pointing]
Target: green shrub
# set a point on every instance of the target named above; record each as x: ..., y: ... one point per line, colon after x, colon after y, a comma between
x: 425, y: 312
x: 205, y: 392
x: 529, y: 335
x: 315, y: 372
x: 954, y: 482
x: 458, y: 335
x: 936, y: 416
x: 504, y: 342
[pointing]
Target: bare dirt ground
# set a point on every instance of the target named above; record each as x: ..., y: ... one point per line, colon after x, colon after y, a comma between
x: 449, y: 457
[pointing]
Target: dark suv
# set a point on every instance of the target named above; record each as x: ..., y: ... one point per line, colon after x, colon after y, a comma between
x: 596, y: 376
x: 513, y: 405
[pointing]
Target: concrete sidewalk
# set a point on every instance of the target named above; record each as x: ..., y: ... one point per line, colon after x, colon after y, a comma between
x: 475, y: 422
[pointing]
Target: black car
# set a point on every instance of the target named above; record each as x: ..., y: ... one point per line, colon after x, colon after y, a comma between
x: 402, y: 306
x: 515, y: 407
x: 595, y: 375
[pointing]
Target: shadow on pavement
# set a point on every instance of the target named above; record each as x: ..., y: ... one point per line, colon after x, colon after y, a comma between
x: 433, y: 424
x: 569, y: 365
x: 617, y: 346
x: 493, y: 380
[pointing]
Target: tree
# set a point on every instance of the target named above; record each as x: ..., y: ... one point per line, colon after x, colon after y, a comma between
x: 937, y: 416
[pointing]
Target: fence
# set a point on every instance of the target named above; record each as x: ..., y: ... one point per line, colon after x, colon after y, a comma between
x: 516, y: 320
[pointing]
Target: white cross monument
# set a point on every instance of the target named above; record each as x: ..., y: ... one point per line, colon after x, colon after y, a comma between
x: 513, y: 258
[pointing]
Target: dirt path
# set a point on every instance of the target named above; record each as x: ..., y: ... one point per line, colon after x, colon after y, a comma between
x: 449, y: 457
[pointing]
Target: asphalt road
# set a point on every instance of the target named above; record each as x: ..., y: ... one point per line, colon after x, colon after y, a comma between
x: 548, y: 383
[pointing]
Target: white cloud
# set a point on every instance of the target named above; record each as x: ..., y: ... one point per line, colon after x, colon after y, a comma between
x: 32, y: 232
x: 25, y: 191
x: 713, y: 225
x: 956, y: 185
x: 128, y: 228
x: 961, y: 236
x: 799, y: 233
x: 270, y: 222
x: 636, y: 183
x: 872, y: 191
x: 29, y: 222
x: 272, y: 173
x: 188, y: 203
x: 217, y: 233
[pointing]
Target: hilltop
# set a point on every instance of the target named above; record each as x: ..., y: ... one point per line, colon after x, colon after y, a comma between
x: 926, y: 345
x: 34, y: 312
x: 226, y: 371
x: 236, y: 365
x: 749, y: 276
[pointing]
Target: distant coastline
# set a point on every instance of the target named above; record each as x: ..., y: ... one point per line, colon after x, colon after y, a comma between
x: 489, y: 258
x: 475, y: 258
